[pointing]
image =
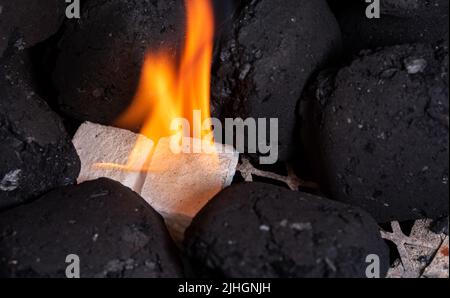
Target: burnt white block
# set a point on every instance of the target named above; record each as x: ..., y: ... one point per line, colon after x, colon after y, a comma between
x: 97, y: 144
x: 177, y: 185
x: 183, y: 183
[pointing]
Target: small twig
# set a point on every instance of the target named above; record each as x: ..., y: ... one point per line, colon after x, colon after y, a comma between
x: 400, y: 239
x: 247, y: 171
x: 412, y: 268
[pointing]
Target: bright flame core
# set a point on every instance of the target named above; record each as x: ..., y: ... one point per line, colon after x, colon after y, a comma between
x: 171, y: 89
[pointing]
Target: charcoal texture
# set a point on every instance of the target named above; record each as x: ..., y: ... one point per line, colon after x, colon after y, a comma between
x: 410, y: 8
x: 382, y: 126
x: 267, y: 58
x: 98, y: 69
x: 36, y: 154
x: 440, y: 226
x: 401, y: 22
x: 23, y: 23
x: 114, y: 232
x: 260, y: 230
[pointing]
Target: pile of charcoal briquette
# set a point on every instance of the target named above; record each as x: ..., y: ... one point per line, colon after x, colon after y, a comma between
x: 362, y: 107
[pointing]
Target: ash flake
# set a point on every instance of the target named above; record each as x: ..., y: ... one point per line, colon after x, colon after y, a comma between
x: 20, y: 44
x: 414, y: 66
x: 13, y: 262
x: 283, y: 223
x: 264, y: 228
x: 301, y: 226
x: 10, y: 181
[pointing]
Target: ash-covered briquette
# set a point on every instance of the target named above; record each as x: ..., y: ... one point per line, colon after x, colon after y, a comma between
x: 268, y: 57
x: 259, y: 230
x: 37, y: 155
x: 112, y: 230
x: 424, y: 21
x: 23, y: 23
x: 101, y: 54
x: 381, y: 126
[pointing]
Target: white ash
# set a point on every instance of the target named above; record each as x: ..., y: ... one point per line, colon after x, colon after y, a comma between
x: 417, y: 251
x: 439, y: 268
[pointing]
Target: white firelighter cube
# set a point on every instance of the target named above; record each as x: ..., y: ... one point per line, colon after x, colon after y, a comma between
x: 177, y: 185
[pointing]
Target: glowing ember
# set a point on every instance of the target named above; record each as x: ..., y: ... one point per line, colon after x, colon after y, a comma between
x: 170, y: 89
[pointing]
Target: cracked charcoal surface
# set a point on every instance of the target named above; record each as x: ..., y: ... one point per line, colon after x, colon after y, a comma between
x: 24, y: 23
x: 36, y: 153
x: 101, y: 54
x: 401, y: 22
x: 260, y: 230
x: 267, y: 58
x: 382, y: 128
x: 113, y: 231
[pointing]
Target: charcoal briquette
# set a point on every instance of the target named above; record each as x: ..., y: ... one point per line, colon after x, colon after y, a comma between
x: 36, y: 154
x: 267, y: 58
x: 400, y: 22
x: 111, y: 229
x: 24, y: 23
x: 260, y: 230
x: 101, y: 54
x: 378, y: 130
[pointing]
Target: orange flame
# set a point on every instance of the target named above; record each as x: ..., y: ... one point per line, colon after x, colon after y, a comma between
x: 170, y: 89
x: 167, y: 90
